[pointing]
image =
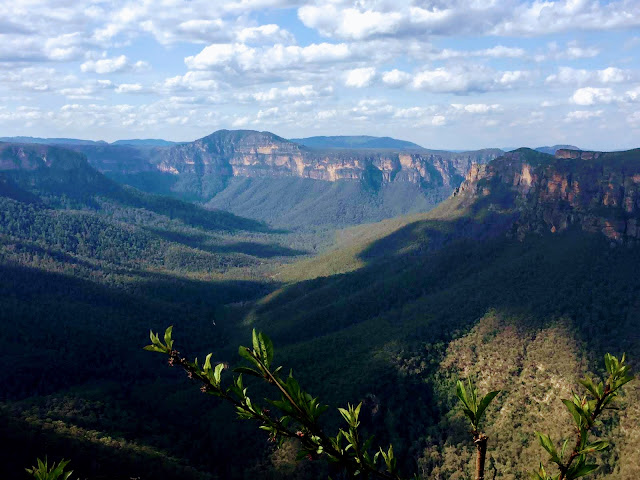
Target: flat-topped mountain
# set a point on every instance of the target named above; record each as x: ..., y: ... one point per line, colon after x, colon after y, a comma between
x: 553, y: 149
x: 145, y: 142
x: 246, y: 153
x: 356, y: 142
x: 264, y: 176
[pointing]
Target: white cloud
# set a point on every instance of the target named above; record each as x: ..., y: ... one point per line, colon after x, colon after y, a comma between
x: 360, y: 77
x: 192, y: 81
x: 633, y: 95
x: 591, y: 96
x: 438, y: 120
x: 362, y: 20
x: 352, y: 23
x: 129, y: 88
x: 288, y: 94
x: 113, y: 65
x: 396, y: 78
x: 242, y: 58
x: 466, y: 79
x: 479, y: 108
x: 580, y: 115
x: 499, y: 51
x: 573, y: 76
x: 263, y: 34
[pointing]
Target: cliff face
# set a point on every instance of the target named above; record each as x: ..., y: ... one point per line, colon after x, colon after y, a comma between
x: 24, y: 157
x: 48, y: 169
x: 594, y: 191
x: 263, y: 154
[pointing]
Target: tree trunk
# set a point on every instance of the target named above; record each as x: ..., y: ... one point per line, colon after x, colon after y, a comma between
x: 480, y: 439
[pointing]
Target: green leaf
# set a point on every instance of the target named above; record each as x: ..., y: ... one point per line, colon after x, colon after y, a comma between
x: 248, y: 371
x: 263, y: 347
x: 564, y: 448
x: 245, y: 353
x: 594, y: 447
x: 484, y: 403
x: 155, y: 348
x: 461, y: 393
x: 581, y: 471
x: 577, y: 412
x: 547, y: 444
x: 589, y: 385
x: 167, y: 338
x: 207, y: 362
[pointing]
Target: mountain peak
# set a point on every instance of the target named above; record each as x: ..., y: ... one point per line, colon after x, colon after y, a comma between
x: 244, y: 137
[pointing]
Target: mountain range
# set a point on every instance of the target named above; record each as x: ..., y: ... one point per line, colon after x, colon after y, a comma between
x: 266, y: 177
x: 522, y: 276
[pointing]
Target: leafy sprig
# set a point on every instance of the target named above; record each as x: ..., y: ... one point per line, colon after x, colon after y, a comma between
x: 585, y: 411
x: 297, y: 412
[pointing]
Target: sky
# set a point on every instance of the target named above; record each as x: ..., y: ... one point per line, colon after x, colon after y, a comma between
x: 447, y: 74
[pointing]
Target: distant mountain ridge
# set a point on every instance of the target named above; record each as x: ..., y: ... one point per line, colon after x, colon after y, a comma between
x: 52, y: 141
x: 145, y: 142
x: 264, y: 176
x: 356, y: 142
x: 552, y: 150
x: 247, y: 153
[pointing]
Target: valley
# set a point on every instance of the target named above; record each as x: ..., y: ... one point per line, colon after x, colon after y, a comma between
x: 515, y: 267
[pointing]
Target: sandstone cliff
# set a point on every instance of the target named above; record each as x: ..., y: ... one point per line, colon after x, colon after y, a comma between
x: 594, y: 191
x: 245, y: 153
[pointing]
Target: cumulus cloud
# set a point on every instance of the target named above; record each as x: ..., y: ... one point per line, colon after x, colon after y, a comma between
x: 263, y: 34
x: 580, y: 115
x: 573, y: 76
x: 591, y: 96
x: 288, y: 94
x: 191, y: 81
x: 633, y: 95
x: 129, y: 88
x: 360, y: 77
x: 396, y: 78
x: 113, y: 65
x: 464, y: 79
x: 342, y: 19
x: 240, y: 57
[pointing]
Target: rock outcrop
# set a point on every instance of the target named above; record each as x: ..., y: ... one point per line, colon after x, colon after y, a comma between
x: 245, y: 153
x: 594, y: 191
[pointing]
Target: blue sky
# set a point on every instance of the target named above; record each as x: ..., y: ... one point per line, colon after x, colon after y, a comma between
x: 444, y: 74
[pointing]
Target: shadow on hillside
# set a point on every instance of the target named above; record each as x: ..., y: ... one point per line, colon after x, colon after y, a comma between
x: 431, y: 235
x: 60, y: 330
x: 99, y: 456
x: 431, y: 279
x: 204, y: 242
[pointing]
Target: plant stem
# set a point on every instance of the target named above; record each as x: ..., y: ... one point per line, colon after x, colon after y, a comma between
x: 480, y: 440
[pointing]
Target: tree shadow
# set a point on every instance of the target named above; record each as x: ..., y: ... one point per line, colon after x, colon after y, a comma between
x: 202, y: 241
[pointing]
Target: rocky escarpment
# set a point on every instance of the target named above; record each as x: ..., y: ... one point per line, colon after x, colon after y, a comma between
x: 49, y: 170
x: 594, y: 191
x: 263, y: 154
x: 29, y: 157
